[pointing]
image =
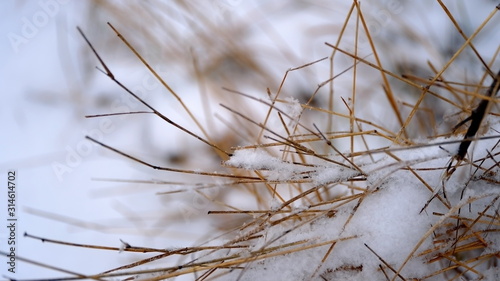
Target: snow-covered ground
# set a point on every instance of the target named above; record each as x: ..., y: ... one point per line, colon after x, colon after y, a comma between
x: 358, y: 207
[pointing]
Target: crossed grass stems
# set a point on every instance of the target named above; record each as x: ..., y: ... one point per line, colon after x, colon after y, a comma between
x: 454, y: 235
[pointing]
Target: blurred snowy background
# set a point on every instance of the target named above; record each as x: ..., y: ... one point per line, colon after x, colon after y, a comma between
x: 49, y: 83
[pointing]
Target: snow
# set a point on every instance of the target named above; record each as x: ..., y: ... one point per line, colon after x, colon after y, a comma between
x: 318, y: 217
x: 261, y: 160
x: 389, y: 220
x: 294, y: 110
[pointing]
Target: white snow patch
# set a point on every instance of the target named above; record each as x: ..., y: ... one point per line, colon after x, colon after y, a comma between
x: 258, y: 159
x: 332, y: 173
x: 254, y: 160
x: 388, y: 219
x: 294, y: 110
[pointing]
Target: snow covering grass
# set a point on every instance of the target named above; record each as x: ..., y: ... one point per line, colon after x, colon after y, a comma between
x: 382, y: 231
x: 354, y: 176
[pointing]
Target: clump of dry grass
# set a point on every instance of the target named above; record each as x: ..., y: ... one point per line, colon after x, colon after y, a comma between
x: 323, y: 159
